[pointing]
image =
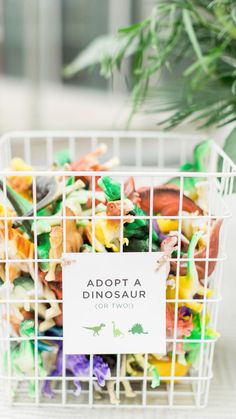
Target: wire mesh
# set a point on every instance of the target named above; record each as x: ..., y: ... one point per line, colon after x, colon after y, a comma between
x: 187, y: 388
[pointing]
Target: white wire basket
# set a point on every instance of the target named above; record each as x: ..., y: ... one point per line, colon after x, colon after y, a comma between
x: 151, y: 158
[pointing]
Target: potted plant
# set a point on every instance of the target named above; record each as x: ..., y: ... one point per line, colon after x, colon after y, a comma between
x: 183, y: 62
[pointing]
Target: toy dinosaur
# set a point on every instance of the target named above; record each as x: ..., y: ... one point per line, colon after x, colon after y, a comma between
x: 189, y: 285
x: 201, y: 155
x: 55, y: 251
x: 54, y: 191
x: 19, y: 246
x: 164, y: 367
x: 129, y: 393
x: 166, y: 201
x: 21, y: 184
x: 116, y: 332
x: 20, y: 205
x: 111, y: 188
x: 95, y: 329
x: 78, y: 366
x: 133, y: 228
x: 90, y: 161
x: 201, y: 253
x: 23, y: 208
x: 168, y: 245
x: 140, y: 245
x: 14, y: 270
x: 23, y: 356
x: 192, y: 349
x: 24, y: 289
x: 74, y: 242
x: 107, y: 231
x: 184, y: 326
x: 137, y: 329
x: 136, y: 362
x: 167, y: 225
x: 55, y: 286
x: 139, y: 228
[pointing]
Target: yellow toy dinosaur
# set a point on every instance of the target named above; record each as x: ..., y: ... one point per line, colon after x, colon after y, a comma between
x: 107, y: 231
x: 189, y: 285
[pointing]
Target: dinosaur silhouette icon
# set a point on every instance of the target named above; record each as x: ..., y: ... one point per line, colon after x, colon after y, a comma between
x: 116, y: 332
x: 95, y: 329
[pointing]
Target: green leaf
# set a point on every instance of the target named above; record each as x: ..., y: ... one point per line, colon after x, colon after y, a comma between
x: 133, y: 27
x: 105, y: 48
x: 192, y: 37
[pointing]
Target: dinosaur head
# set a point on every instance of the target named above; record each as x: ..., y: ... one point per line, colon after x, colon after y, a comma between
x: 114, y: 207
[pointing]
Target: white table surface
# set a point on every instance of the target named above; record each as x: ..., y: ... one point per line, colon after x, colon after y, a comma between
x: 222, y: 399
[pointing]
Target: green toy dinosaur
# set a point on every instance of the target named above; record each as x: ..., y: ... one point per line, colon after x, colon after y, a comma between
x: 193, y: 348
x: 110, y: 187
x: 23, y: 356
x: 20, y: 205
x: 137, y: 328
x: 96, y: 329
x: 200, y: 159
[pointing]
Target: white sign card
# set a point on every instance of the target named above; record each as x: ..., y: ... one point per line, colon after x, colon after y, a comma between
x: 114, y: 303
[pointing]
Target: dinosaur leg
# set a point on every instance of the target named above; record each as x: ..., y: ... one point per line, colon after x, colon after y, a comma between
x: 76, y: 371
x: 155, y: 377
x: 51, y: 272
x: 97, y: 391
x: 16, y: 312
x: 27, y: 306
x: 78, y: 387
x: 111, y: 392
x: 47, y: 390
x: 54, y: 310
x: 126, y: 384
x: 42, y: 370
x: 31, y: 388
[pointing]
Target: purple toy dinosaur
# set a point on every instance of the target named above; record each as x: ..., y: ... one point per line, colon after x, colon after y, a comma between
x: 78, y: 366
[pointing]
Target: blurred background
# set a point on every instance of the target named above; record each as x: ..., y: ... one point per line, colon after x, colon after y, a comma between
x: 37, y: 39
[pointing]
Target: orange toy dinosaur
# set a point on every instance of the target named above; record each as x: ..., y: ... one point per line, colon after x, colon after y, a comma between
x: 74, y: 241
x: 166, y: 199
